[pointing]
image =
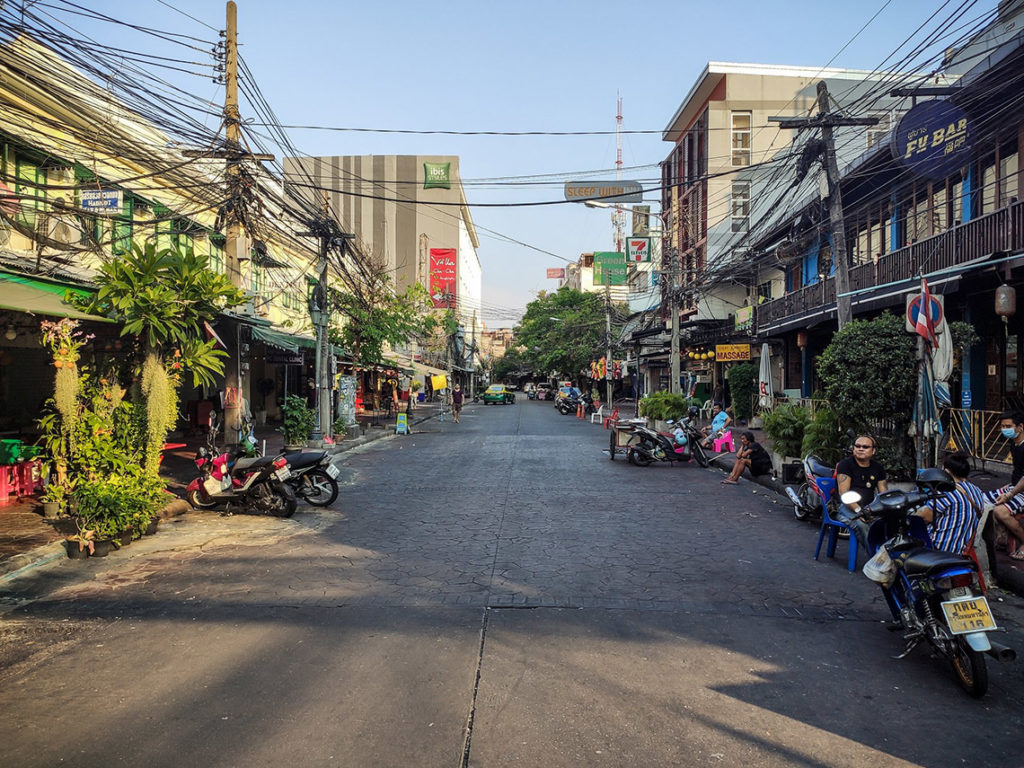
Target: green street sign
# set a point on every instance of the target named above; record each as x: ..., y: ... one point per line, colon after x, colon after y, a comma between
x: 609, y: 268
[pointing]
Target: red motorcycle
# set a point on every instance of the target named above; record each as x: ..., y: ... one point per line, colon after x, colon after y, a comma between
x: 255, y: 484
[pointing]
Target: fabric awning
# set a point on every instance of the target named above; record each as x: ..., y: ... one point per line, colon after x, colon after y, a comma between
x: 22, y: 293
x: 406, y: 363
x: 284, y: 341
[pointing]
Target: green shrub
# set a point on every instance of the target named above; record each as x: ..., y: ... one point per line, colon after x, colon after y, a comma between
x: 785, y: 426
x: 298, y: 420
x: 111, y: 504
x: 741, y: 388
x: 663, y: 406
x: 825, y: 437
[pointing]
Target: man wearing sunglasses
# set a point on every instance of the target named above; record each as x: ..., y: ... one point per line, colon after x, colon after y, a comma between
x: 860, y: 473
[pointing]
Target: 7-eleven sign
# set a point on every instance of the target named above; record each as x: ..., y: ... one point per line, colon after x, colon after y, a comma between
x: 639, y: 249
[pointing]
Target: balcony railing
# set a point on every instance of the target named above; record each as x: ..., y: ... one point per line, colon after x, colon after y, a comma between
x: 1002, y: 230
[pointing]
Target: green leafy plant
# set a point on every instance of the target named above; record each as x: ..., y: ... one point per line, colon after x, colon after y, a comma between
x: 663, y: 406
x: 869, y: 375
x: 741, y: 388
x: 785, y: 425
x: 112, y: 504
x: 825, y: 437
x: 416, y: 385
x: 85, y: 538
x: 298, y: 420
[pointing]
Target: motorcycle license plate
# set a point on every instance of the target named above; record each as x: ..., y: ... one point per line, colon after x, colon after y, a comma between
x: 283, y: 473
x: 333, y: 471
x: 968, y: 615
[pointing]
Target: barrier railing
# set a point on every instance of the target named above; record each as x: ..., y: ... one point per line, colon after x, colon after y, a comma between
x: 976, y: 432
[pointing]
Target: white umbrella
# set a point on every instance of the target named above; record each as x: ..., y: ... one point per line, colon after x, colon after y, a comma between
x: 764, y: 378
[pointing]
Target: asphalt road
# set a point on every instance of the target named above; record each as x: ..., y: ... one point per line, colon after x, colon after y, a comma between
x: 490, y: 593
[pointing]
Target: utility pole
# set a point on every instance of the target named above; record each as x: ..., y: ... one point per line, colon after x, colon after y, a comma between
x: 608, y: 364
x: 235, y: 249
x: 673, y: 308
x: 827, y: 121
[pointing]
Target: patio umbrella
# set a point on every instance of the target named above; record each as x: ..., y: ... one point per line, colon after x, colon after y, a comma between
x: 764, y: 378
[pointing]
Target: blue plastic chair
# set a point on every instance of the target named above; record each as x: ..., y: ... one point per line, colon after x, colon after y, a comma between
x: 827, y: 487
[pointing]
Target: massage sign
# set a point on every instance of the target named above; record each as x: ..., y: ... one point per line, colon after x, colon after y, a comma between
x: 442, y: 277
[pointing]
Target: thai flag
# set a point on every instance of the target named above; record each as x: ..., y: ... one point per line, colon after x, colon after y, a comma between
x: 925, y: 323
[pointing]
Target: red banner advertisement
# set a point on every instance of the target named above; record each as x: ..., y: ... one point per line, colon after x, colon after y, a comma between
x: 442, y: 277
x: 556, y: 273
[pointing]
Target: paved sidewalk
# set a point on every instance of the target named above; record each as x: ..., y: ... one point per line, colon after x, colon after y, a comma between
x: 27, y: 540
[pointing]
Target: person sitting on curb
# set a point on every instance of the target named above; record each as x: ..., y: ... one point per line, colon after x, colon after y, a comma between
x: 953, y: 517
x: 720, y: 419
x: 1009, y: 500
x: 751, y: 454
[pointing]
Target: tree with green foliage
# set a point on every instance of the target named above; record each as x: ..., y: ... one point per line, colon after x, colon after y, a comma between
x: 564, y: 331
x: 511, y: 365
x: 372, y: 316
x: 161, y: 297
x: 869, y: 374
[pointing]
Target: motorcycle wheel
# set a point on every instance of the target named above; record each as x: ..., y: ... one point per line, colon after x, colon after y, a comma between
x: 808, y: 498
x: 700, y: 456
x: 317, y: 488
x: 196, y: 500
x: 611, y: 446
x: 637, y: 459
x: 282, y: 499
x: 970, y: 668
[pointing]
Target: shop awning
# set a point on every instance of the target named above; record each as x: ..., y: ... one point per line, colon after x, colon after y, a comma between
x: 22, y: 293
x: 413, y: 366
x: 285, y: 341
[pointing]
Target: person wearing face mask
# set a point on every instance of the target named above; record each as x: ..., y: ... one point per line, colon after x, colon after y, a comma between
x: 1009, y: 500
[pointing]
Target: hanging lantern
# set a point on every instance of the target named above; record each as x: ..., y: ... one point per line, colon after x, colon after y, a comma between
x: 711, y: 354
x: 1006, y: 301
x: 801, y: 339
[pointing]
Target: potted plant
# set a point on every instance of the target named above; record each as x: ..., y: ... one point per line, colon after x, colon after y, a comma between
x: 298, y: 420
x: 81, y: 544
x: 54, y: 498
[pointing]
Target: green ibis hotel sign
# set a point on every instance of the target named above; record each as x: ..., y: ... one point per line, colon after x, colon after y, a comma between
x: 609, y: 268
x: 437, y: 175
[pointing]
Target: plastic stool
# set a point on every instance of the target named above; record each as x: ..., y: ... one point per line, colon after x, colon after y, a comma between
x: 724, y: 440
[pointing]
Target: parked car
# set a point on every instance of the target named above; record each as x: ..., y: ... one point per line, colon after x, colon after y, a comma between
x: 544, y: 391
x: 498, y: 393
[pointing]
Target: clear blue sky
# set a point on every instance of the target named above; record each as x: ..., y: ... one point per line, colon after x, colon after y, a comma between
x: 521, y: 66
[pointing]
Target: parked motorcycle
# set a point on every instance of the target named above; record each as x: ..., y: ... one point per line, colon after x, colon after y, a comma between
x: 313, y: 477
x: 934, y: 596
x: 683, y: 444
x: 807, y: 498
x: 255, y: 484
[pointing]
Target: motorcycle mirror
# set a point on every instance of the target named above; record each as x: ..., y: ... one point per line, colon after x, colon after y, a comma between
x: 850, y: 497
x: 670, y: 422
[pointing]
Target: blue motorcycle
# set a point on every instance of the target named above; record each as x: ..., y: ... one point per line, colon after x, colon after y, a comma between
x: 934, y: 596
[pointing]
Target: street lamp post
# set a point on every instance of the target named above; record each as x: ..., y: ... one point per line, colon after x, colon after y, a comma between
x: 673, y: 309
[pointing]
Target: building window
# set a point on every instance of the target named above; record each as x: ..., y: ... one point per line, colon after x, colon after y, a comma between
x: 764, y: 292
x: 741, y: 136
x: 877, y: 132
x: 740, y: 206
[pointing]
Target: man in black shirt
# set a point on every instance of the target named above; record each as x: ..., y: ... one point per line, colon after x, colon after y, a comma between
x: 860, y: 473
x: 1009, y: 500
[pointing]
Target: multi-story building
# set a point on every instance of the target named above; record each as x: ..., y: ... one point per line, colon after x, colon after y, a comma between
x: 721, y: 133
x: 958, y: 223
x: 410, y: 214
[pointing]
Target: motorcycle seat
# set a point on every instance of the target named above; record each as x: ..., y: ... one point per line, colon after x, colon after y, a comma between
x: 924, y: 562
x: 259, y: 461
x: 303, y: 459
x: 819, y: 469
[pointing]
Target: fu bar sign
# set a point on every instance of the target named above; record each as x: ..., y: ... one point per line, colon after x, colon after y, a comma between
x: 933, y: 139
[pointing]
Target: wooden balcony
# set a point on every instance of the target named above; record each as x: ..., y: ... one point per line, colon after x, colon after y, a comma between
x: 1000, y: 231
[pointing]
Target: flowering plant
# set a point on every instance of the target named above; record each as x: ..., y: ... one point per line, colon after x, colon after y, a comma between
x: 64, y: 339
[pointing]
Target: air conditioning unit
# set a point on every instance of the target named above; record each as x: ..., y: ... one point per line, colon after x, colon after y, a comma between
x: 60, y: 229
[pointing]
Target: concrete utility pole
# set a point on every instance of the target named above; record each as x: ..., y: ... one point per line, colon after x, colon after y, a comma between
x: 827, y: 121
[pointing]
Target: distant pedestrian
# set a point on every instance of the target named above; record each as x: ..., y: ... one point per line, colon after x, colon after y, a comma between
x: 457, y: 398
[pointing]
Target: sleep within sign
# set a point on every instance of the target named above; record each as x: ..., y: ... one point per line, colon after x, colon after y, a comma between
x: 442, y: 277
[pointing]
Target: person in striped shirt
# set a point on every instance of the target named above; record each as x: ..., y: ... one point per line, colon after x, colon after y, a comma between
x: 953, y: 517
